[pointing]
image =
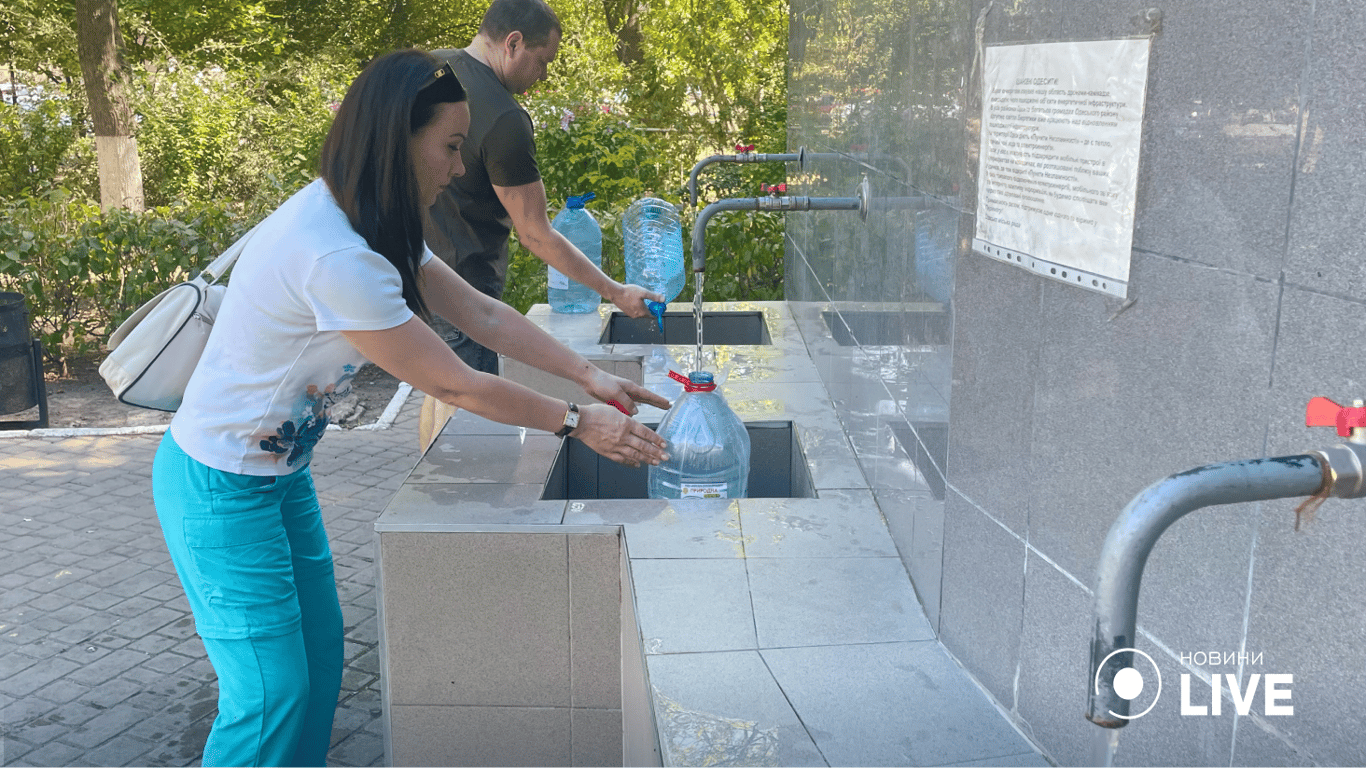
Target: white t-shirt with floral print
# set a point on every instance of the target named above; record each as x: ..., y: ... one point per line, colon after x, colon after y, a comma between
x: 276, y: 360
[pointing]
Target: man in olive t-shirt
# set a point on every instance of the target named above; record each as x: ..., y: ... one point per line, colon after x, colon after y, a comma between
x: 501, y: 188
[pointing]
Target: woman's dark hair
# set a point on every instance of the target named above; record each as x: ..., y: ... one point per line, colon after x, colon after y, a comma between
x: 368, y: 165
x: 533, y: 18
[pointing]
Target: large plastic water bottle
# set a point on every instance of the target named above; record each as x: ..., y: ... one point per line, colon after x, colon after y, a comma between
x: 581, y: 229
x: 708, y: 446
x: 653, y: 236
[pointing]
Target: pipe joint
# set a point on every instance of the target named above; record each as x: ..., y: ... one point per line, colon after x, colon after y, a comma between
x: 1344, y: 470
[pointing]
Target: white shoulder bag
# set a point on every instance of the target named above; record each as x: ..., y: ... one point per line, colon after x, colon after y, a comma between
x: 153, y: 353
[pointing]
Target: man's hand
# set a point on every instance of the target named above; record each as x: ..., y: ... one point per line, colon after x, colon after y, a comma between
x: 630, y: 299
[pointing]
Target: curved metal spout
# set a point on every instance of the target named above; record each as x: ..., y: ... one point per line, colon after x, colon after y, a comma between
x: 799, y: 157
x: 1137, y: 529
x: 748, y: 157
x: 699, y: 227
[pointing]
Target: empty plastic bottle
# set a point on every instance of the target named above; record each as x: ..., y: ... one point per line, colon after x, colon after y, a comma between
x: 653, y: 237
x: 581, y: 229
x: 708, y: 446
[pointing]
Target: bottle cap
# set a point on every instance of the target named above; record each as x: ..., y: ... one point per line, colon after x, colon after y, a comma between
x: 657, y: 309
x: 697, y: 381
x: 578, y: 201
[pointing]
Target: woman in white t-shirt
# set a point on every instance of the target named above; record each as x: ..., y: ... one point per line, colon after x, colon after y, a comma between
x: 336, y: 276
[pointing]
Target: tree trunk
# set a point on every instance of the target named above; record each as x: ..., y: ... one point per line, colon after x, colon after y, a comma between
x: 100, y: 47
x: 623, y: 21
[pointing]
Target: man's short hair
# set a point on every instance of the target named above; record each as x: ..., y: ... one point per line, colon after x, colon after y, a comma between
x: 533, y: 18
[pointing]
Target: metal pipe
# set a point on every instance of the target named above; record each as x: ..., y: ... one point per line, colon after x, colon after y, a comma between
x: 1137, y: 529
x: 699, y: 227
x: 799, y: 157
x: 747, y: 157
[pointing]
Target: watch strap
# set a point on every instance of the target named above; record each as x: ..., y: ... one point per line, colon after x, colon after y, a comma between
x: 571, y: 421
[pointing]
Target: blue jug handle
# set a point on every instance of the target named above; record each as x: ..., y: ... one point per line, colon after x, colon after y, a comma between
x: 657, y: 309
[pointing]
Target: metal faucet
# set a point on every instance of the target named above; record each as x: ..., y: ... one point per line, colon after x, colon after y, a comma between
x: 1334, y: 471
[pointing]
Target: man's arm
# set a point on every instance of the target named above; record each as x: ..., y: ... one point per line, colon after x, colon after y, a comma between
x: 505, y: 330
x: 526, y: 204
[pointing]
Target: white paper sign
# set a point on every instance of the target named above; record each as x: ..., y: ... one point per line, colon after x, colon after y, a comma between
x: 1058, y: 162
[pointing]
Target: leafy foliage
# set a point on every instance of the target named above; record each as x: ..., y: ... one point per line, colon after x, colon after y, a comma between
x: 41, y: 145
x: 233, y: 101
x: 233, y: 135
x: 83, y: 271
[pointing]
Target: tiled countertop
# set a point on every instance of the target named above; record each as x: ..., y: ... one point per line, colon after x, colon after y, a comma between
x: 779, y: 631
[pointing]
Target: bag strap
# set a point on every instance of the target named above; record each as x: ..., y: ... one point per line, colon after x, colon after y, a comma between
x: 225, y: 260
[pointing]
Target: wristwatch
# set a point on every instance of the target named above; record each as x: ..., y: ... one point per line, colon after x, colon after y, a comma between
x: 571, y: 421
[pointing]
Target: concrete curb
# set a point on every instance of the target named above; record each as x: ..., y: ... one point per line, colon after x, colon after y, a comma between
x: 386, y: 419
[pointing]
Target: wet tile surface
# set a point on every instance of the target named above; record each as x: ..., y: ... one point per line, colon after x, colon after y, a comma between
x: 913, y: 690
x: 725, y: 709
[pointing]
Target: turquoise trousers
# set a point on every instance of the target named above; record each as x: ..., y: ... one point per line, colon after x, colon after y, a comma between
x: 253, y: 557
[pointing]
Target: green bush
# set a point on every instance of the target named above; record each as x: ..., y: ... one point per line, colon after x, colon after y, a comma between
x: 233, y: 135
x: 83, y: 271
x: 220, y: 148
x: 41, y: 146
x: 584, y: 148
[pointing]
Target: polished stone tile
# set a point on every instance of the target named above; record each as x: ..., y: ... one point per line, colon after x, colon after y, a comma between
x: 491, y: 736
x: 595, y: 621
x: 995, y: 366
x: 506, y: 459
x: 806, y: 601
x: 916, y: 522
x: 466, y: 423
x: 839, y: 524
x: 725, y: 709
x: 435, y: 504
x: 760, y: 365
x: 1179, y: 399
x: 979, y: 603
x: 892, y: 704
x: 1054, y: 657
x: 516, y: 654
x: 1254, y: 745
x: 1309, y: 619
x: 596, y: 736
x: 686, y: 606
x: 657, y: 528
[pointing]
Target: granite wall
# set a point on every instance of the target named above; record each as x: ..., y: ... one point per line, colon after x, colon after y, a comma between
x: 1004, y: 419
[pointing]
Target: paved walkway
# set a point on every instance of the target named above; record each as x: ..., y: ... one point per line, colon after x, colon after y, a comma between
x: 99, y: 663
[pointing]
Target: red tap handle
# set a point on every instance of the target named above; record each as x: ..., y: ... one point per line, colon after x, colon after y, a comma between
x: 1322, y: 412
x: 744, y: 148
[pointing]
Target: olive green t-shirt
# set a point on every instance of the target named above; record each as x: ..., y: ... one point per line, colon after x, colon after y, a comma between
x: 468, y: 227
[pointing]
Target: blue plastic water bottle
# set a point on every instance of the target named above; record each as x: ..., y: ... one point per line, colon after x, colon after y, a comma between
x: 581, y: 229
x: 708, y: 446
x: 653, y: 236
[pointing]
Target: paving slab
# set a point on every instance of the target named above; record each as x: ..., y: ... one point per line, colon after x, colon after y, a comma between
x: 99, y: 663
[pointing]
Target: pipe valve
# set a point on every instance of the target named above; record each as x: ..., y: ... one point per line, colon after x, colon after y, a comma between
x: 1344, y: 464
x: 1322, y: 412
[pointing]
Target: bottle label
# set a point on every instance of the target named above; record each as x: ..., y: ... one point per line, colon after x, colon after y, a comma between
x: 557, y: 279
x: 691, y: 490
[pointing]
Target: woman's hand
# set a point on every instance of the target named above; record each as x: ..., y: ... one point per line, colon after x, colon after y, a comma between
x: 618, y: 436
x: 607, y: 388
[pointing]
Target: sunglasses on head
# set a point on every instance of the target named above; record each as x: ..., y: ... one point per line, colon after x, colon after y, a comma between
x: 443, y: 71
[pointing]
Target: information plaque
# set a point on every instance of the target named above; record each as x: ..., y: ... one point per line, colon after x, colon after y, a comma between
x: 1058, y: 160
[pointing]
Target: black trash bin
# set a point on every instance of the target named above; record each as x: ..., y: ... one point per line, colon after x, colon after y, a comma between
x: 21, y: 364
